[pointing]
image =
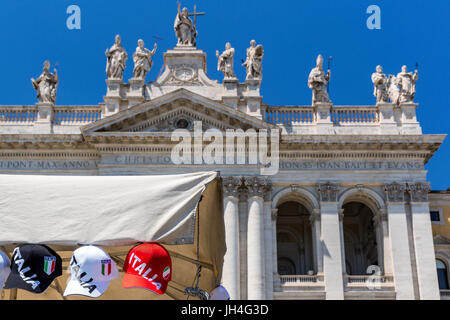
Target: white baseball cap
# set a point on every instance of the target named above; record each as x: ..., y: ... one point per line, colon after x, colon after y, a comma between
x: 91, y: 270
x: 219, y: 293
x: 5, y: 268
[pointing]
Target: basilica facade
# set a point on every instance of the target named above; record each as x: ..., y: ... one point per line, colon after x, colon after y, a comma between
x: 346, y: 211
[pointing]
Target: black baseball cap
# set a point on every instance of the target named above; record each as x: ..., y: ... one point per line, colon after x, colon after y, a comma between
x: 33, y: 268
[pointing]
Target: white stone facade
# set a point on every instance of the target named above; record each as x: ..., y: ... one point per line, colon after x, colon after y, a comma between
x: 330, y: 157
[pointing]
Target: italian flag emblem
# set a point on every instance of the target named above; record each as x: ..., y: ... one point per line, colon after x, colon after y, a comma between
x: 106, y: 267
x: 166, y: 273
x: 49, y: 265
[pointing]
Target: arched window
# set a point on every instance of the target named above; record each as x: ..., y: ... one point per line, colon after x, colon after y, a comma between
x: 442, y: 275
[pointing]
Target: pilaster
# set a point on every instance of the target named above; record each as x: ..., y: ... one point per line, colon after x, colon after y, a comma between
x: 331, y: 242
x: 423, y: 241
x: 398, y: 234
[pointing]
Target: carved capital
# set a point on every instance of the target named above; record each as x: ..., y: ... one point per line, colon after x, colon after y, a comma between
x: 257, y: 187
x: 395, y: 192
x: 419, y: 191
x: 328, y: 192
x: 231, y: 186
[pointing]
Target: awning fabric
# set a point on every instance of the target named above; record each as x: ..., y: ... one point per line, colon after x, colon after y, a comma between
x: 118, y: 212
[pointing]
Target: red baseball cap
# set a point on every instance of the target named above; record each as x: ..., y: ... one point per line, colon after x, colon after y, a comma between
x: 148, y: 266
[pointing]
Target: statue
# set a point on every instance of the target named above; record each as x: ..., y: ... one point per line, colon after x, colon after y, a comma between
x: 46, y: 85
x: 380, y: 82
x: 226, y: 61
x: 116, y: 59
x: 184, y: 28
x: 254, y: 61
x: 142, y: 60
x: 393, y: 91
x: 407, y: 85
x: 317, y: 81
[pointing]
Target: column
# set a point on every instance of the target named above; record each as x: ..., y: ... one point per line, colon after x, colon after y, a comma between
x: 243, y: 221
x: 423, y: 242
x: 331, y: 242
x: 276, y: 280
x: 268, y: 242
x: 255, y: 239
x: 231, y: 264
x: 398, y: 234
x: 317, y: 243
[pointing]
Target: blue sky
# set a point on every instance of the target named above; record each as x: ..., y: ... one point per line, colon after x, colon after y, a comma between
x: 293, y: 34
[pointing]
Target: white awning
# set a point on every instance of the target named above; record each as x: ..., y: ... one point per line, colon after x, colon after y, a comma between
x: 100, y: 210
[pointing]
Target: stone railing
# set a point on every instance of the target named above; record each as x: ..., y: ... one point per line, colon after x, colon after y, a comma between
x: 369, y: 281
x: 445, y: 294
x: 290, y: 115
x: 62, y: 115
x: 329, y: 119
x: 18, y: 114
x: 76, y: 116
x: 354, y: 115
x: 300, y: 280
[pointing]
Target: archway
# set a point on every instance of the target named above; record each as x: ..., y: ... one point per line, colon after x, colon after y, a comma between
x: 294, y: 239
x: 360, y: 240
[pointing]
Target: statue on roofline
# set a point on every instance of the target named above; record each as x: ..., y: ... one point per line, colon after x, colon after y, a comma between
x: 317, y: 81
x: 46, y: 85
x: 185, y: 29
x: 226, y: 61
x: 116, y: 60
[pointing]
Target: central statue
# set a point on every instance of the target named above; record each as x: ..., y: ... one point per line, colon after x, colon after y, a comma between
x: 184, y: 28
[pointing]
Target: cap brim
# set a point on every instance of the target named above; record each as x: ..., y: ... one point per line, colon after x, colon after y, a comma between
x: 135, y: 281
x: 15, y: 281
x: 74, y: 287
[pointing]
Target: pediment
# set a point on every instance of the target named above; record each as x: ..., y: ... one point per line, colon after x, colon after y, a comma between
x: 178, y: 109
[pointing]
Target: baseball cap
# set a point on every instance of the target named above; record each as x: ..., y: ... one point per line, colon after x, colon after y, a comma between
x: 219, y: 293
x: 33, y: 268
x: 91, y: 270
x: 5, y: 268
x: 148, y: 266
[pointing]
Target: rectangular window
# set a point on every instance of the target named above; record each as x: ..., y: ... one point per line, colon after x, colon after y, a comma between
x: 435, y: 216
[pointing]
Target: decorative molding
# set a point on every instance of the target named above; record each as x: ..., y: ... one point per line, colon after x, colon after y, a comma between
x: 258, y: 187
x: 328, y: 192
x: 231, y: 186
x: 395, y: 192
x: 419, y: 191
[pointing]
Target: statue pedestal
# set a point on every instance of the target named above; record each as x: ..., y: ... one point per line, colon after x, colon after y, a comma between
x: 230, y: 96
x: 253, y: 98
x: 323, y: 116
x: 136, y: 92
x: 113, y: 97
x: 44, y: 122
x: 409, y: 118
x: 388, y: 125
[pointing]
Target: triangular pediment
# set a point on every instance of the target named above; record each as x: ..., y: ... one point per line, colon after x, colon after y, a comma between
x: 176, y: 110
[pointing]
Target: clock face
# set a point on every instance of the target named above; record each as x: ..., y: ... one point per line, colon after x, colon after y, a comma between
x: 184, y: 74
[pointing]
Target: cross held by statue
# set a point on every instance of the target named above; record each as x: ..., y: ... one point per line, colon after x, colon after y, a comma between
x: 195, y: 14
